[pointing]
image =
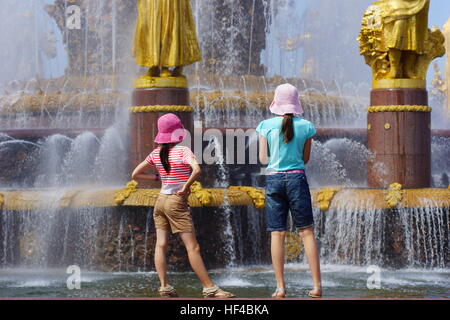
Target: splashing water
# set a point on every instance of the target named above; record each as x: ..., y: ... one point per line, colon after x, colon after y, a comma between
x: 440, y: 163
x: 221, y: 181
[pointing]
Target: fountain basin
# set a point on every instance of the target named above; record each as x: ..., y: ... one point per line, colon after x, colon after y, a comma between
x: 340, y: 282
x: 111, y: 229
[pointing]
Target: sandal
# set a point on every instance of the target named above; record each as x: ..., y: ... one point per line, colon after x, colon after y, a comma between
x: 216, y: 292
x: 277, y: 291
x: 167, y: 292
x: 315, y: 295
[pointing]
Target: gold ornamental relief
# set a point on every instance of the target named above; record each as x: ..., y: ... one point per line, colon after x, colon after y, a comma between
x: 397, y: 44
x: 161, y: 108
x: 160, y: 82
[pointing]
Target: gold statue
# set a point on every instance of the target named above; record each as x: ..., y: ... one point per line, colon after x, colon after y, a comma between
x: 395, y: 39
x: 165, y: 39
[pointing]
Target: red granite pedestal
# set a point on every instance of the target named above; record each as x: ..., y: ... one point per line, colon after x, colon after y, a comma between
x: 400, y: 140
x: 143, y: 125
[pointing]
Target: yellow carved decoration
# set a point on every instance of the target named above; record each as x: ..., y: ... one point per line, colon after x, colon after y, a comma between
x: 2, y: 199
x: 406, y: 108
x: 54, y: 102
x: 293, y: 245
x: 66, y: 200
x: 399, y: 84
x: 256, y: 194
x: 161, y: 108
x: 142, y: 197
x: 366, y: 199
x: 325, y: 196
x: 396, y: 42
x: 160, y: 82
x: 122, y: 195
x: 395, y: 195
x: 200, y: 198
x: 387, y: 126
x: 20, y: 200
x: 204, y: 196
x: 216, y: 100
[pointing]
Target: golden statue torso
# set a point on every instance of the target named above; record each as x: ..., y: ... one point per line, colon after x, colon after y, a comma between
x: 405, y: 24
x: 165, y: 34
x: 396, y: 42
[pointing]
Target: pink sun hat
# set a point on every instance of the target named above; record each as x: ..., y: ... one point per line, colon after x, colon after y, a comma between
x: 170, y: 129
x: 286, y: 100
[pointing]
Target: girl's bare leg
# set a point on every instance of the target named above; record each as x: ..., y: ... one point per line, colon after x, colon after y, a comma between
x: 312, y: 254
x: 277, y: 251
x: 195, y: 258
x: 162, y: 238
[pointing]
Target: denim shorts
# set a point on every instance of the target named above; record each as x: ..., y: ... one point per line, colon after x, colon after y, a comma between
x: 288, y: 192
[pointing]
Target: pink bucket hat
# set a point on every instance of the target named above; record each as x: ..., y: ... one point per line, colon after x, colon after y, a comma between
x: 286, y: 100
x: 170, y: 129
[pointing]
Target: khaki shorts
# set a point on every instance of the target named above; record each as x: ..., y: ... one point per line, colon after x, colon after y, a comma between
x: 172, y: 211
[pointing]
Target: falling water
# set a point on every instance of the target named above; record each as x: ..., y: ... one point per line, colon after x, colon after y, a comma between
x: 147, y: 227
x: 51, y: 160
x: 110, y: 158
x: 323, y: 167
x: 221, y: 181
x: 79, y: 161
x: 440, y: 163
x: 426, y: 235
x: 353, y: 236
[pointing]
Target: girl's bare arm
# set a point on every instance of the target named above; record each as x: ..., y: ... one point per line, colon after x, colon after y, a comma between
x: 139, y: 172
x: 196, y: 173
x: 263, y: 156
x: 307, y: 151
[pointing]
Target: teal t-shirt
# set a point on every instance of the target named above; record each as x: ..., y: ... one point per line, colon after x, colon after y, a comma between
x: 286, y: 156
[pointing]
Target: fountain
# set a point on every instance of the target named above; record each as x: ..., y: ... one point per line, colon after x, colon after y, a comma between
x: 65, y: 198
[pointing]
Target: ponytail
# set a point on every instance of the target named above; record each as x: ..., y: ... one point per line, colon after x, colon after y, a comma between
x: 287, y: 127
x: 164, y: 156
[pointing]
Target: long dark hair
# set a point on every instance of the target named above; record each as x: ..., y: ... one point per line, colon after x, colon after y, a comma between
x: 287, y: 128
x: 164, y: 155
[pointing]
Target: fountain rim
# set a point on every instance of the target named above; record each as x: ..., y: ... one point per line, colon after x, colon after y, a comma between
x: 325, y: 199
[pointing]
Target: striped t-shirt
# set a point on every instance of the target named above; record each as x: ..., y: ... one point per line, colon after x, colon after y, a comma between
x: 179, y: 166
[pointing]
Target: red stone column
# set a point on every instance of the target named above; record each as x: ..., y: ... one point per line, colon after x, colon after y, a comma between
x: 143, y: 125
x: 400, y: 140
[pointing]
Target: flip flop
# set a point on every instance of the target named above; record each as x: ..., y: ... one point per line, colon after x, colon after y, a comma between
x: 167, y: 292
x: 216, y: 292
x: 315, y: 295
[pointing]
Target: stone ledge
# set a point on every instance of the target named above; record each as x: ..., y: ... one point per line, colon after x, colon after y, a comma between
x: 340, y: 198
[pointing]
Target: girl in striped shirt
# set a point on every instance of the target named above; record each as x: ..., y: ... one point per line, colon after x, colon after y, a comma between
x: 171, y: 211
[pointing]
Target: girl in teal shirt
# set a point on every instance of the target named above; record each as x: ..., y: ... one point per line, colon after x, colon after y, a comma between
x: 287, y: 139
